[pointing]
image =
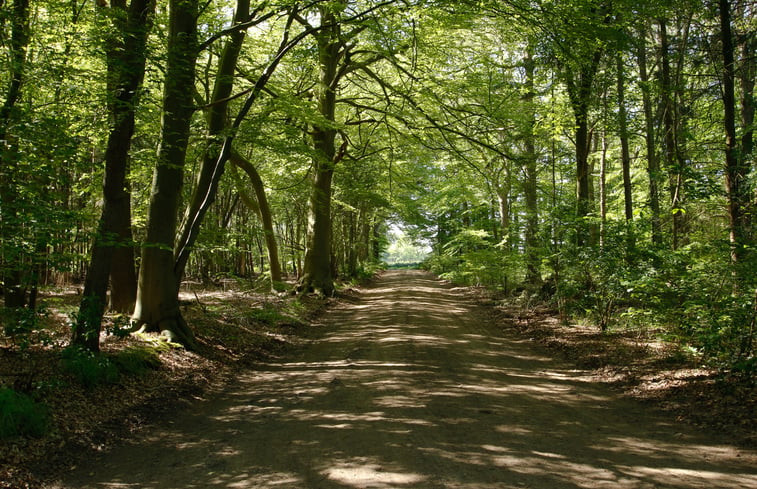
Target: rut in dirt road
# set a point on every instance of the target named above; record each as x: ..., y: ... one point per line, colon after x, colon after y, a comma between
x: 410, y: 387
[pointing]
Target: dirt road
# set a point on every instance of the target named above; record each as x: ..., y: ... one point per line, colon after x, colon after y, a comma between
x: 410, y: 388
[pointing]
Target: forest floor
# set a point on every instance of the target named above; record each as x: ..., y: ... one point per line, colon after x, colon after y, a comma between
x: 409, y: 382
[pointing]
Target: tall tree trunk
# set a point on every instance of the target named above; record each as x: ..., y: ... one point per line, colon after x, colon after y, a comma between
x: 533, y: 273
x: 625, y: 154
x: 212, y: 166
x: 579, y: 84
x: 748, y: 73
x: 317, y: 275
x: 675, y: 172
x: 653, y: 163
x: 126, y: 68
x: 14, y: 292
x: 736, y: 171
x: 502, y: 185
x: 208, y: 185
x: 157, y: 299
x: 113, y: 253
x: 317, y: 268
x: 603, y: 191
x: 263, y: 209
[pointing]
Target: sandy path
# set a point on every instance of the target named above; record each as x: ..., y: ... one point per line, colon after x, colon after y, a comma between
x: 409, y: 388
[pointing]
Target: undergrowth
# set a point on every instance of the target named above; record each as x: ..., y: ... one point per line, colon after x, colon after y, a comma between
x: 93, y: 369
x: 20, y: 415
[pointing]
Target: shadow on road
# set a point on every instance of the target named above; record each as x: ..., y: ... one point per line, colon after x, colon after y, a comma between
x: 410, y: 387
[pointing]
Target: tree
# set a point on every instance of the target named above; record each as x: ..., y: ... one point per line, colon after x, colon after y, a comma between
x: 673, y: 127
x: 157, y: 307
x: 653, y: 163
x: 737, y: 167
x: 14, y: 291
x: 112, y: 253
x: 220, y: 148
x: 211, y: 168
x: 337, y: 57
x: 533, y: 273
x: 259, y: 204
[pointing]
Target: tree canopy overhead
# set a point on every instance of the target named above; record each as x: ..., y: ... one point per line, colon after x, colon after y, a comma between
x: 596, y: 154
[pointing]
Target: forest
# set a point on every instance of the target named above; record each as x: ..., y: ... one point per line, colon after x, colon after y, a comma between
x: 596, y: 156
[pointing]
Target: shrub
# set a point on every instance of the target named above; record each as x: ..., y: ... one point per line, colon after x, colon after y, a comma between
x: 22, y: 326
x: 267, y: 314
x: 88, y: 368
x: 20, y: 415
x: 120, y: 326
x: 137, y: 360
x: 92, y: 369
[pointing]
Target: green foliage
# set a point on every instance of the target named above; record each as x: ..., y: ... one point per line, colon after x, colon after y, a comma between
x: 88, y: 368
x: 20, y: 415
x: 267, y: 314
x: 691, y: 294
x: 470, y: 258
x: 402, y: 251
x: 279, y: 286
x: 137, y: 360
x: 22, y: 326
x: 365, y: 272
x: 703, y: 304
x: 94, y: 369
x: 120, y: 326
x: 596, y: 281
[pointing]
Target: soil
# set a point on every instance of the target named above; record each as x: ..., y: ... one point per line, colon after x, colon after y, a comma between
x: 411, y: 383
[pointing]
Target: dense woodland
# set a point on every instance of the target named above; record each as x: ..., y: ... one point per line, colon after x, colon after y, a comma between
x: 593, y: 154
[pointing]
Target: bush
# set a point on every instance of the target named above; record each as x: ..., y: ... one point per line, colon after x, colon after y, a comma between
x: 88, y: 368
x: 93, y: 369
x: 692, y: 294
x: 22, y: 326
x: 471, y: 258
x: 120, y: 326
x: 137, y: 360
x: 267, y: 315
x: 20, y: 415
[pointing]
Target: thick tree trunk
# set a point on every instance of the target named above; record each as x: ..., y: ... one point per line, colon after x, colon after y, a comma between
x: 317, y: 276
x: 653, y: 163
x: 213, y: 165
x: 157, y: 306
x: 14, y: 291
x: 317, y: 268
x: 113, y: 253
x: 123, y: 272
